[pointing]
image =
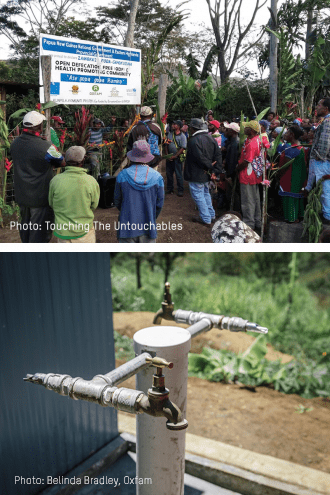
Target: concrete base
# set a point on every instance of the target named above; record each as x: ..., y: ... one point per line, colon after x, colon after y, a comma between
x: 243, y: 471
x: 212, y: 464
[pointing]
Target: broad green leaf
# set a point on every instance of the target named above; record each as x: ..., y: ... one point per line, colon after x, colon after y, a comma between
x: 18, y: 113
x: 49, y: 104
x: 261, y: 114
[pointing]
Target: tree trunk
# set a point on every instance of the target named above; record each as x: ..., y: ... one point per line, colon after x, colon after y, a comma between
x: 163, y: 80
x: 129, y: 40
x: 222, y: 67
x: 273, y: 62
x: 138, y: 270
x: 308, y: 32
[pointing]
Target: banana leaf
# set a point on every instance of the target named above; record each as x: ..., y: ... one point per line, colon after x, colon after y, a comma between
x: 49, y: 104
x: 18, y: 113
x: 261, y: 114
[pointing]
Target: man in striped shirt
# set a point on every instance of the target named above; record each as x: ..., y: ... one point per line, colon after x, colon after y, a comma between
x: 96, y: 132
x: 95, y: 139
x: 319, y: 164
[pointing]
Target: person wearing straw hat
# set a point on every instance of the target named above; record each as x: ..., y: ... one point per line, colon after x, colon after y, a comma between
x: 139, y: 197
x: 250, y: 176
x: 34, y: 159
x: 73, y: 196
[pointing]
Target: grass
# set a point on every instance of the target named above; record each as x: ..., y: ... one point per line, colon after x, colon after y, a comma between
x: 296, y: 322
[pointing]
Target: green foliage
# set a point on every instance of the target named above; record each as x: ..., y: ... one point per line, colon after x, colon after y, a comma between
x: 154, y: 56
x: 312, y: 222
x: 315, y: 70
x: 304, y: 378
x: 123, y: 347
x: 289, y: 70
x: 232, y: 98
x: 255, y: 286
x: 125, y: 296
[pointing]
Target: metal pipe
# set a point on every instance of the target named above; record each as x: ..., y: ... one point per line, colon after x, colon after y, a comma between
x: 200, y: 326
x: 234, y: 324
x: 122, y: 399
x: 161, y: 453
x: 126, y: 370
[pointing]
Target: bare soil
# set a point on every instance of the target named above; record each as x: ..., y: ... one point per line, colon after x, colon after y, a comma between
x: 176, y: 214
x: 263, y: 421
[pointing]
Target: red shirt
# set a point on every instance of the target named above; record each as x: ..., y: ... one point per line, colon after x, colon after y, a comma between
x: 251, y: 149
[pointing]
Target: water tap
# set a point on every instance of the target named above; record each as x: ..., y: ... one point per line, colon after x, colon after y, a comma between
x: 158, y: 403
x: 166, y: 312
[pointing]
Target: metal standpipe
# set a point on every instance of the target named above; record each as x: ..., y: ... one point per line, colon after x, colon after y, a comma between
x: 160, y: 444
x: 161, y: 451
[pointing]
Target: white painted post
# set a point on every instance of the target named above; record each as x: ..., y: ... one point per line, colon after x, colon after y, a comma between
x: 161, y: 452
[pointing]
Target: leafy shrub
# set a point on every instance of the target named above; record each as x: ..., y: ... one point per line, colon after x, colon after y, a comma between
x: 123, y: 347
x: 251, y: 368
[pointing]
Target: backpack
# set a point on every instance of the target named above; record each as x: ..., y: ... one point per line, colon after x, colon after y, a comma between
x: 152, y: 140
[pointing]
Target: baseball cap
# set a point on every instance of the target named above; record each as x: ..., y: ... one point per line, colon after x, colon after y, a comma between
x: 233, y: 126
x: 216, y: 123
x: 75, y: 154
x: 33, y: 118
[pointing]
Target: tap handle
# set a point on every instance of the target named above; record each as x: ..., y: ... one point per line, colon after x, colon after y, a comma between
x: 167, y: 294
x: 159, y: 362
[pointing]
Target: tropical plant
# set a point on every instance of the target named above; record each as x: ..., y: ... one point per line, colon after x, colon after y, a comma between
x: 314, y: 72
x: 289, y: 71
x: 40, y: 107
x: 154, y: 56
x: 81, y: 128
x: 312, y: 223
x: 183, y: 98
x: 305, y: 378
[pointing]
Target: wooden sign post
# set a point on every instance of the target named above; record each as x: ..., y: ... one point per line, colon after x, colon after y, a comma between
x: 46, y: 67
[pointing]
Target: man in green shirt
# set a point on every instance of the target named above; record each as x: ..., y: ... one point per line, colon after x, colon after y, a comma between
x: 58, y: 122
x: 74, y: 195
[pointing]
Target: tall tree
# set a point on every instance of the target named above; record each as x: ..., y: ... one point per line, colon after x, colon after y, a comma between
x: 41, y: 16
x: 227, y: 27
x: 273, y: 57
x: 129, y: 39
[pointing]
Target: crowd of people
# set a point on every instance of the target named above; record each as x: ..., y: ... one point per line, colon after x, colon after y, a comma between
x: 205, y: 154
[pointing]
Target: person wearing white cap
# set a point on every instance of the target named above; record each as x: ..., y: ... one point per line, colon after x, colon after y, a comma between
x: 232, y: 145
x: 73, y: 196
x: 148, y: 131
x: 33, y: 161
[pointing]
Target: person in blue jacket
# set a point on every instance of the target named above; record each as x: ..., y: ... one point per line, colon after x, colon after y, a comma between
x: 139, y: 196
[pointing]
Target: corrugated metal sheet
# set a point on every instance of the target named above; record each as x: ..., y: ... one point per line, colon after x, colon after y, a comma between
x: 55, y: 316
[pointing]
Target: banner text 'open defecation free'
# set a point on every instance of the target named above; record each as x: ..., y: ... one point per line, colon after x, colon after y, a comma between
x: 91, y: 73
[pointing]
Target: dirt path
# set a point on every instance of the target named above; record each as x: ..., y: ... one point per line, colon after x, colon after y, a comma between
x: 176, y: 212
x: 263, y: 421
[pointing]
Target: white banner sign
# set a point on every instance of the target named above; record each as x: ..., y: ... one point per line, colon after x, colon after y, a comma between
x: 91, y: 73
